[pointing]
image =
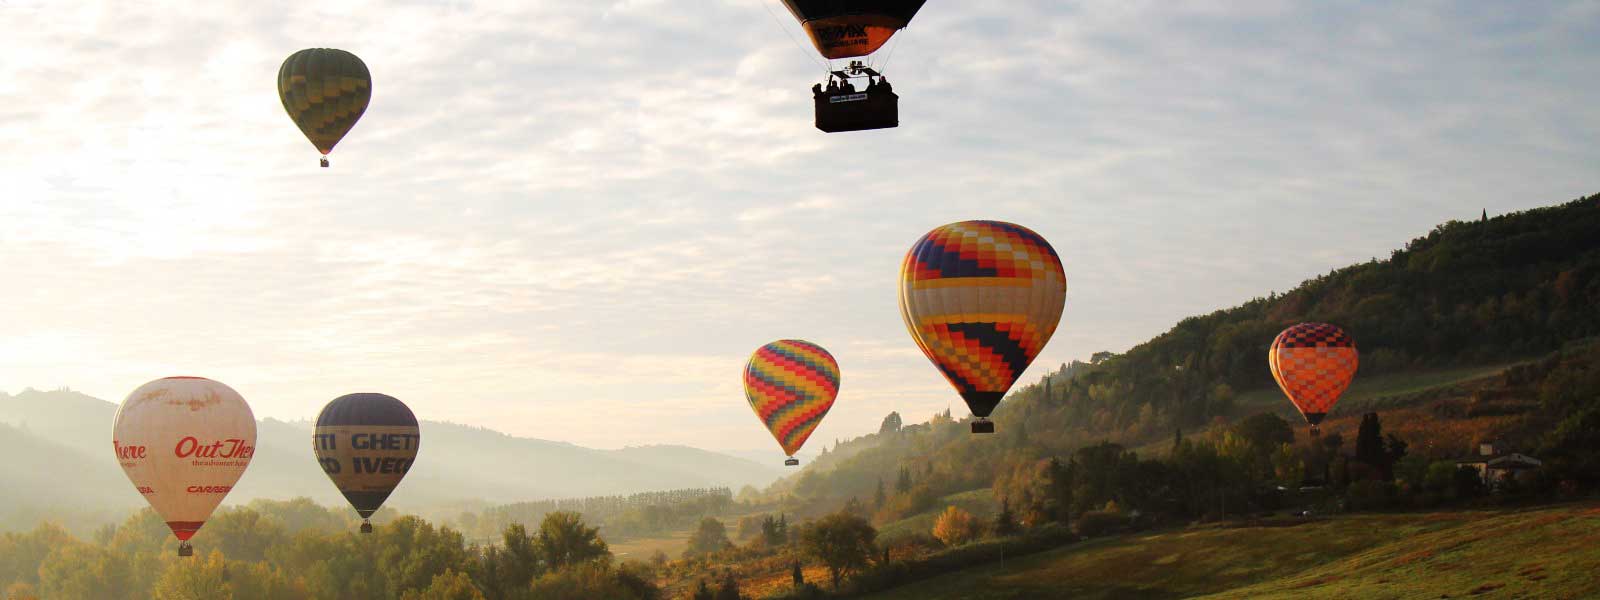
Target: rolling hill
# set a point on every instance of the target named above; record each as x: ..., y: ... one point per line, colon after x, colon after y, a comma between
x: 1466, y: 301
x: 64, y: 432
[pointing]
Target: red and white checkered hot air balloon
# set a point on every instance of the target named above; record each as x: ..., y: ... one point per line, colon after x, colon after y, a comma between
x: 1313, y: 363
x: 184, y: 442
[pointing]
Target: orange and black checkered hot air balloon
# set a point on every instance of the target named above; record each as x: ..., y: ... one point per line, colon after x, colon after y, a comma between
x: 325, y: 91
x: 791, y: 385
x: 1313, y: 363
x: 981, y: 299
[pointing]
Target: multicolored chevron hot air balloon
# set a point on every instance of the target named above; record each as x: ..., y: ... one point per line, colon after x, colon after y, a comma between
x: 325, y: 92
x: 981, y: 299
x: 791, y: 385
x: 1313, y: 363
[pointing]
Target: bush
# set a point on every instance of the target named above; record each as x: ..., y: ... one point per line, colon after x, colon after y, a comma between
x: 809, y: 591
x: 956, y: 527
x: 1096, y: 523
x: 1370, y: 495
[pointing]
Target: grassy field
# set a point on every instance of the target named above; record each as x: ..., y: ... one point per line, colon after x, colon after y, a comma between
x: 643, y: 548
x: 1548, y: 552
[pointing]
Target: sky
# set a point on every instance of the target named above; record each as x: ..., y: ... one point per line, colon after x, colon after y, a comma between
x: 575, y: 219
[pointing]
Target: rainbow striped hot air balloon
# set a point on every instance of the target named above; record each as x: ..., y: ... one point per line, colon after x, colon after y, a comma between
x: 791, y: 385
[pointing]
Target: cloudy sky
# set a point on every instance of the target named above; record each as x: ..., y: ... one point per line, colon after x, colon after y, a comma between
x: 575, y: 219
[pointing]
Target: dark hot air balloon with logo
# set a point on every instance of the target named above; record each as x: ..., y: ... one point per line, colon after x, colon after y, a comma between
x: 184, y: 442
x: 1314, y: 364
x: 325, y: 92
x: 366, y: 444
x: 790, y: 385
x: 981, y: 299
x: 850, y: 29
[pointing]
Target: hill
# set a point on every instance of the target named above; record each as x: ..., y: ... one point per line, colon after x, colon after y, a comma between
x: 62, y: 431
x: 1468, y: 299
x: 1539, y: 553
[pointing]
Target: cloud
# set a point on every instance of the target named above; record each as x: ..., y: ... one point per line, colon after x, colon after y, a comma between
x: 574, y: 220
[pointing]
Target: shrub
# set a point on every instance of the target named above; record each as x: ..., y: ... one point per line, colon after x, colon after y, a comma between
x: 956, y: 527
x: 1099, y: 522
x: 1370, y: 495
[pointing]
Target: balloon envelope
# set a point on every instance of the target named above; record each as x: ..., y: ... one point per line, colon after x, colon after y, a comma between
x: 791, y: 385
x: 325, y: 92
x: 184, y: 442
x: 1313, y: 363
x: 366, y: 444
x: 846, y: 28
x: 981, y: 298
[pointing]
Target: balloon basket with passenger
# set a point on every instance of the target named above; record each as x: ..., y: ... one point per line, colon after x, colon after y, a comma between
x: 791, y: 462
x: 842, y: 107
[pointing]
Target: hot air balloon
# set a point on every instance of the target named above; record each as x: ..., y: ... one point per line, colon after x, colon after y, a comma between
x: 791, y: 385
x: 325, y: 92
x: 848, y: 29
x: 184, y: 442
x: 1313, y: 363
x: 366, y: 444
x: 981, y: 299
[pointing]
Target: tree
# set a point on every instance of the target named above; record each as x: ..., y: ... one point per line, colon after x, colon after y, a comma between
x: 842, y: 541
x: 564, y: 540
x: 20, y: 590
x: 449, y: 585
x: 854, y: 507
x: 729, y: 590
x: 710, y: 536
x: 774, y: 531
x: 1331, y: 442
x: 878, y: 497
x: 594, y: 580
x: 903, y: 483
x: 76, y: 570
x: 890, y: 424
x: 1369, y: 440
x: 1265, y: 431
x: 1467, y: 483
x: 1372, y: 449
x: 703, y: 592
x: 518, y: 561
x: 1288, y: 466
x: 955, y: 527
x: 1005, y: 523
x: 199, y: 579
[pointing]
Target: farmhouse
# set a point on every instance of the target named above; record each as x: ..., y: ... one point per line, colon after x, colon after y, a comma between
x: 1495, y: 468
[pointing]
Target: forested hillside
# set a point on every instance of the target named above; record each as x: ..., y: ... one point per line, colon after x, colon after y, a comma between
x: 1485, y: 292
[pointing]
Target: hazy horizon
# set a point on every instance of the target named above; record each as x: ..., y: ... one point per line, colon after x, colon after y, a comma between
x: 574, y: 221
